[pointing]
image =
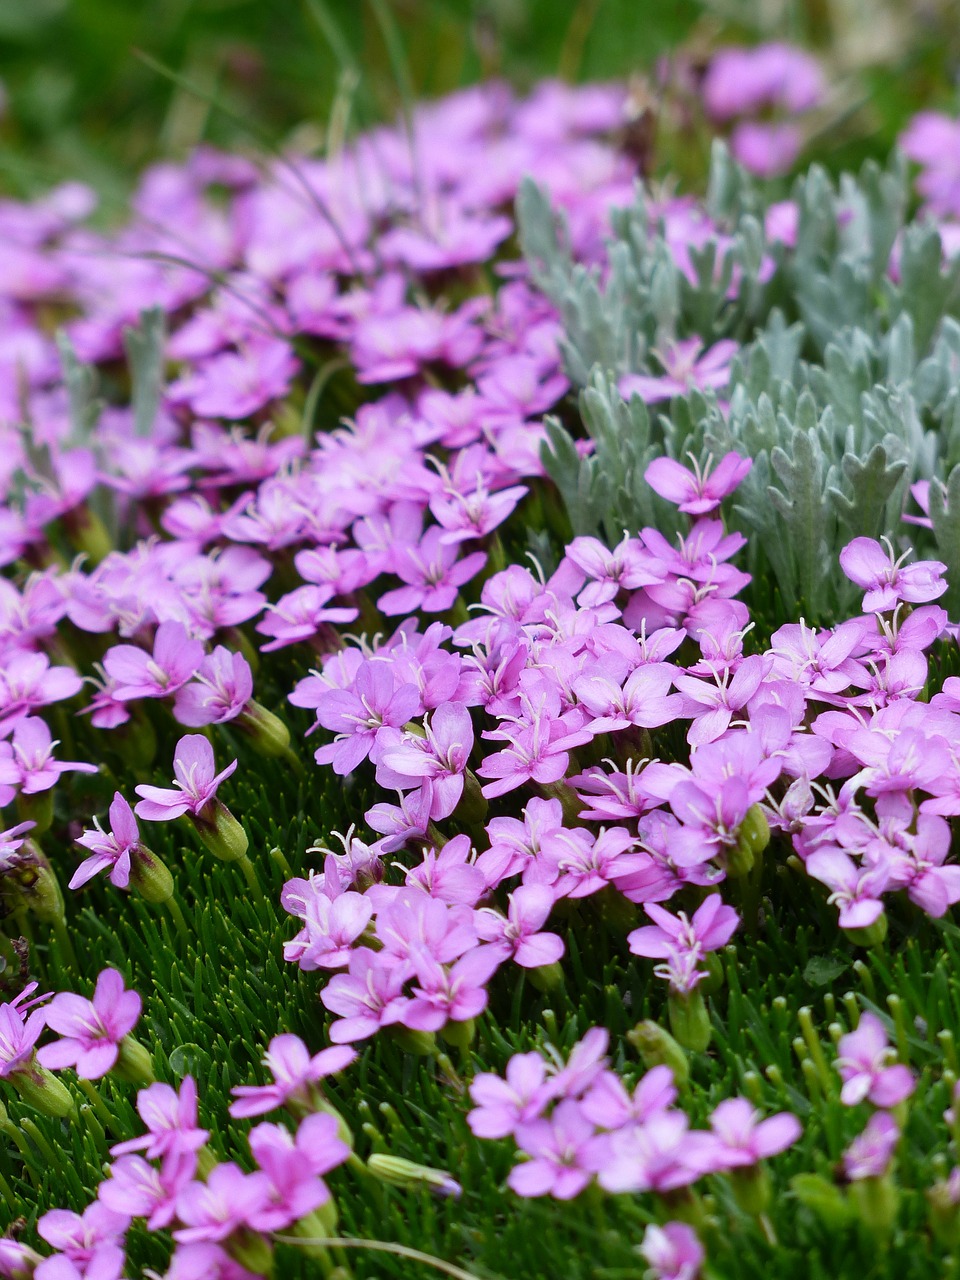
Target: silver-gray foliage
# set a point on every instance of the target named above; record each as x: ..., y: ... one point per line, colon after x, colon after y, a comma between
x: 846, y: 389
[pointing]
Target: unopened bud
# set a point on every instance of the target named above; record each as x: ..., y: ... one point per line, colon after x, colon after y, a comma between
x: 657, y: 1047
x: 876, y: 1201
x: 689, y: 1020
x: 871, y: 935
x: 40, y: 1089
x: 459, y: 1034
x: 150, y: 876
x: 221, y: 832
x: 406, y: 1173
x: 134, y: 1063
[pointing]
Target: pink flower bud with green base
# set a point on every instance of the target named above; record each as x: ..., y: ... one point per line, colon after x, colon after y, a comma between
x: 657, y: 1047
x: 943, y: 1202
x: 196, y: 795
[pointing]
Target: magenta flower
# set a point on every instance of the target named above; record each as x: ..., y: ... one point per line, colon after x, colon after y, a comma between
x: 19, y: 1033
x: 672, y: 1251
x: 432, y: 573
x: 867, y: 1066
x: 697, y: 492
x: 711, y: 927
x: 28, y: 681
x: 171, y: 1120
x: 138, y: 674
x: 293, y: 1166
x: 887, y: 581
x: 871, y: 1152
x: 741, y: 81
x: 294, y: 1072
x: 331, y: 925
x: 358, y: 715
x: 684, y: 369
x: 518, y: 935
x: 446, y: 995
x: 91, y: 1029
x: 82, y: 1237
x: 856, y: 890
x: 743, y: 1138
x: 197, y: 783
x: 503, y: 1105
x: 111, y: 848
x: 139, y: 1189
x: 222, y: 687
x: 643, y: 700
x: 439, y: 757
x: 228, y: 1201
x: 564, y: 1152
x: 608, y: 1104
x: 27, y: 761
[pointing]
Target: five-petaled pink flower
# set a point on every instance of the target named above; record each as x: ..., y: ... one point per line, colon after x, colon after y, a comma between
x: 91, y: 1029
x: 197, y: 783
x: 868, y: 1068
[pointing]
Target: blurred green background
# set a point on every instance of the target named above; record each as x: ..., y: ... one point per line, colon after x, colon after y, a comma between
x: 82, y: 100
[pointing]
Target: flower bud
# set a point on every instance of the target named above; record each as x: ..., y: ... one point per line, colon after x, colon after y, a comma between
x: 17, y: 1261
x: 943, y: 1201
x: 657, y: 1047
x: 150, y: 876
x: 221, y: 832
x: 689, y: 1020
x: 32, y: 880
x: 421, y: 1043
x: 871, y: 935
x: 753, y: 836
x: 321, y: 1224
x: 751, y: 1189
x: 876, y: 1201
x: 40, y: 1089
x: 134, y: 1063
x: 406, y: 1173
x: 823, y: 1198
x: 265, y: 729
x: 548, y: 977
x: 459, y: 1034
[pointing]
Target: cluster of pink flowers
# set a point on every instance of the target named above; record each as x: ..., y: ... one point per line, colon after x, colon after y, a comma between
x: 221, y: 1219
x: 574, y: 1122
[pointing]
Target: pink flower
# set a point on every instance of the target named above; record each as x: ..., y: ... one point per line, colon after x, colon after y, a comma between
x: 887, y: 581
x: 563, y: 1151
x: 446, y: 995
x: 697, y: 492
x: 18, y: 1033
x: 222, y: 688
x: 502, y: 1105
x: 228, y: 1201
x: 871, y: 1153
x: 683, y: 369
x: 27, y: 762
x: 293, y: 1166
x: 294, y: 1072
x: 672, y: 1251
x: 440, y: 757
x: 91, y: 1029
x: 743, y: 1138
x: 111, y: 848
x: 357, y: 716
x: 433, y: 575
x: 518, y: 935
x: 867, y: 1066
x: 197, y: 783
x: 137, y: 674
x: 171, y: 1120
x: 711, y: 927
x: 141, y: 1190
